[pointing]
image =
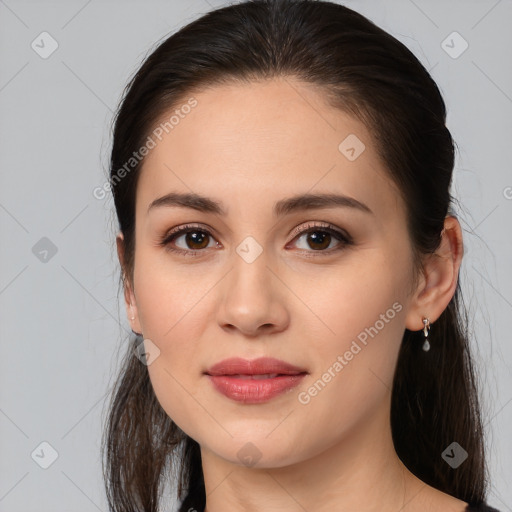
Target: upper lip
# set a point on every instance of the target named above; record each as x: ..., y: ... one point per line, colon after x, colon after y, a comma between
x: 260, y: 366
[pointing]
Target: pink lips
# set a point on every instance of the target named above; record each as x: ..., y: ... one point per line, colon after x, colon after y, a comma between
x: 254, y: 381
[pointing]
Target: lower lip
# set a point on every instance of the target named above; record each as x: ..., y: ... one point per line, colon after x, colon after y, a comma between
x: 254, y: 391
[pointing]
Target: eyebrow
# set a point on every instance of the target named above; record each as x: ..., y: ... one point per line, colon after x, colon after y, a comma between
x: 283, y: 207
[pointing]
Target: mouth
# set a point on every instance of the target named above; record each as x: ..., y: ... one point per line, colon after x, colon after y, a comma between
x: 254, y: 389
x: 254, y: 382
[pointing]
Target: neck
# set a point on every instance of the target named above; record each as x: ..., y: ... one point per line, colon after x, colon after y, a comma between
x: 361, y: 472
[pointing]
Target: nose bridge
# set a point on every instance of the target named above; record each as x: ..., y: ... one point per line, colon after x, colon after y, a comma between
x: 251, y: 257
x: 249, y: 297
x: 250, y: 279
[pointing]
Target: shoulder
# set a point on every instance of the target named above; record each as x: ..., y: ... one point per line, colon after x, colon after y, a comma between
x: 434, y: 499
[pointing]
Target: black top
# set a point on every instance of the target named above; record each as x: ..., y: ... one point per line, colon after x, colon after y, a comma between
x: 482, y: 507
x: 470, y: 508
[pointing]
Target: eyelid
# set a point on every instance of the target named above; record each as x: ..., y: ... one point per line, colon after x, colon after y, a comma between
x: 322, y: 226
x: 343, y: 237
x: 182, y: 229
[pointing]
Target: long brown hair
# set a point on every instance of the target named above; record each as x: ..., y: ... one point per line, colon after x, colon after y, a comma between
x: 365, y: 72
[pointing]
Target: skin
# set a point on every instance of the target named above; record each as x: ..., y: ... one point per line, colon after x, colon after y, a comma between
x: 249, y: 146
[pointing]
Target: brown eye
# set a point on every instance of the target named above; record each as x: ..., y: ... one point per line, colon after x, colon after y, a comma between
x: 196, y: 239
x: 192, y: 240
x: 187, y: 240
x: 318, y: 240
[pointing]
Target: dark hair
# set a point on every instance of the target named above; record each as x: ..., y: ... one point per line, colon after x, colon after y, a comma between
x: 365, y: 72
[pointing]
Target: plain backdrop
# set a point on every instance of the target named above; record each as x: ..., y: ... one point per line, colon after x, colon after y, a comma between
x: 62, y: 322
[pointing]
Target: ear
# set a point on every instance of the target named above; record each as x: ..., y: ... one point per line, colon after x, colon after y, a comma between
x: 439, y: 280
x: 129, y: 294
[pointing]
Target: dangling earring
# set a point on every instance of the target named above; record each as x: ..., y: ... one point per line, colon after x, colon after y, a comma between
x: 426, y: 328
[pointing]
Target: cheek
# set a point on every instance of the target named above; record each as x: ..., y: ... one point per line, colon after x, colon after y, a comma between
x: 354, y: 336
x: 174, y: 310
x: 354, y: 367
x: 169, y: 298
x: 348, y: 301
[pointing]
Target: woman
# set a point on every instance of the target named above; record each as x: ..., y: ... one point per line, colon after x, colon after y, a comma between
x: 281, y: 175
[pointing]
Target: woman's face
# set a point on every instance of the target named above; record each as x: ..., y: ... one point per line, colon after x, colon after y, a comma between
x: 265, y: 274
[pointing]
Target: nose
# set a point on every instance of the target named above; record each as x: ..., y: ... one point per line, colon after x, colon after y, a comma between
x: 252, y: 299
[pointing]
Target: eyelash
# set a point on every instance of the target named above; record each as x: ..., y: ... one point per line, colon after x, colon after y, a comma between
x: 343, y: 238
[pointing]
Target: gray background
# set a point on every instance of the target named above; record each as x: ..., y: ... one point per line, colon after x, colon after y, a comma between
x: 61, y: 323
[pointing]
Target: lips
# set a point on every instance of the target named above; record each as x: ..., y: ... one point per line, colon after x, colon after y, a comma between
x: 256, y: 381
x: 263, y: 367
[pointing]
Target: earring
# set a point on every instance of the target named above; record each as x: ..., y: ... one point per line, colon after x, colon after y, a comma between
x: 133, y: 318
x: 426, y: 328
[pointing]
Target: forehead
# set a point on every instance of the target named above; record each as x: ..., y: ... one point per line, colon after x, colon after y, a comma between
x: 262, y: 141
